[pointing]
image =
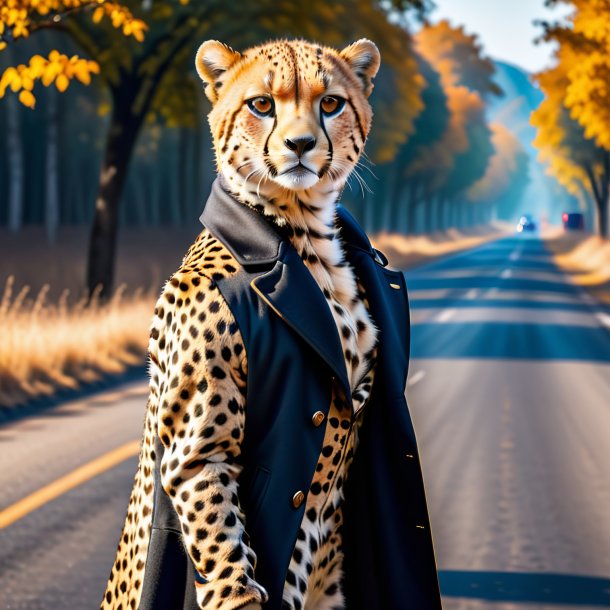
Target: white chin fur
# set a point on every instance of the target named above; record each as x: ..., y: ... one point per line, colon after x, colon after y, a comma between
x: 297, y: 182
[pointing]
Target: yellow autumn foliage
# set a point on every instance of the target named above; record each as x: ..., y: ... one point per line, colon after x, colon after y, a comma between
x: 555, y: 130
x: 27, y: 99
x: 573, y: 120
x: 585, y: 61
x: 20, y: 18
x: 57, y: 68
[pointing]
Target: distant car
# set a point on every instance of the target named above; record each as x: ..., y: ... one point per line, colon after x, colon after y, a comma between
x: 573, y: 221
x: 526, y: 223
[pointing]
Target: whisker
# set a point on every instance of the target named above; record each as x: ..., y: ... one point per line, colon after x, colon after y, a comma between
x: 365, y: 184
x: 368, y: 169
x: 365, y: 156
x: 258, y: 186
x: 244, y: 164
x: 246, y: 178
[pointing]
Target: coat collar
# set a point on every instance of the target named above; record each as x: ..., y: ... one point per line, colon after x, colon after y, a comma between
x: 254, y: 239
x: 284, y: 282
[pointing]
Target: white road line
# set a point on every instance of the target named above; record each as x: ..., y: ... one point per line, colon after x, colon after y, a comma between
x: 415, y: 378
x: 604, y: 318
x: 515, y: 255
x: 523, y: 315
x: 445, y: 315
x: 506, y: 273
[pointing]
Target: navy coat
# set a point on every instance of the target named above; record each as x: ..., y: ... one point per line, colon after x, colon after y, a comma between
x: 294, y: 355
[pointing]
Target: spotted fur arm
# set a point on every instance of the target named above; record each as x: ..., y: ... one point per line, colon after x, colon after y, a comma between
x: 201, y: 424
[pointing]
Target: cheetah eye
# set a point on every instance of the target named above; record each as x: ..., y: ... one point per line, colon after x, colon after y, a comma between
x: 331, y: 105
x: 261, y: 106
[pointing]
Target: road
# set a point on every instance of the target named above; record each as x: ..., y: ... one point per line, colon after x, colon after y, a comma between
x: 508, y: 389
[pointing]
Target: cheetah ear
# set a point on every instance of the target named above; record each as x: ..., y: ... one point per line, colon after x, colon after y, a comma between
x: 364, y: 59
x: 213, y: 59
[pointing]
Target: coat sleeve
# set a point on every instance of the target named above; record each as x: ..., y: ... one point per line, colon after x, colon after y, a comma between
x: 200, y: 421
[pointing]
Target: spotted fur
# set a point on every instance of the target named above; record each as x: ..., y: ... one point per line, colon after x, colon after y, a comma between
x: 198, y: 364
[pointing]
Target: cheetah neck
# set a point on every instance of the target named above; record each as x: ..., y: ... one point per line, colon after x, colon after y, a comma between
x: 308, y: 219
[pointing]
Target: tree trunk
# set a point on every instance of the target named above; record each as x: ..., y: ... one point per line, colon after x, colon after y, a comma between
x: 412, y: 212
x: 15, y: 164
x: 600, y: 196
x: 393, y: 186
x: 601, y: 192
x: 605, y: 195
x: 122, y: 135
x: 455, y: 214
x: 472, y: 213
x: 410, y: 229
x: 51, y: 217
x: 430, y: 214
x: 602, y: 205
x: 183, y: 159
x: 442, y: 214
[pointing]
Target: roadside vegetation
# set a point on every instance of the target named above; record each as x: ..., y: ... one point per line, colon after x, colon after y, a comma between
x: 49, y: 346
x: 586, y: 258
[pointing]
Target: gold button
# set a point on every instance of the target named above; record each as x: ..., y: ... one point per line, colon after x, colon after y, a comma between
x: 298, y: 498
x: 409, y: 455
x: 395, y: 286
x: 317, y: 418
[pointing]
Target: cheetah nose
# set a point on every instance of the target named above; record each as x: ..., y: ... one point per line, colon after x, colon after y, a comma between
x: 300, y: 144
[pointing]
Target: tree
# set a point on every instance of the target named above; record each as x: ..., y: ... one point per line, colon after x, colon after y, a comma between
x: 404, y: 184
x: 574, y: 159
x: 506, y: 175
x: 15, y: 159
x: 458, y: 57
x: 574, y: 119
x: 141, y: 78
x: 159, y: 66
x: 448, y: 165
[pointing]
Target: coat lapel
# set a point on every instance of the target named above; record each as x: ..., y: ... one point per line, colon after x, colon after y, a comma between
x: 287, y: 287
x: 386, y: 291
x: 290, y: 290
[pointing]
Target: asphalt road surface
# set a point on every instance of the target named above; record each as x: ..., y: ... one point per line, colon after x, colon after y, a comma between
x: 509, y: 390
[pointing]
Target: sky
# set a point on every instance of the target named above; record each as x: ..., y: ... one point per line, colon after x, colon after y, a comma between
x: 504, y: 27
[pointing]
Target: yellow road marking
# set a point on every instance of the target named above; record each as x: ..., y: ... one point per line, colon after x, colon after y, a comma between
x: 69, y: 481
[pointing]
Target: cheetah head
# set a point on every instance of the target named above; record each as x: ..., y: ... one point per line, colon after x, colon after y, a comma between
x: 288, y: 116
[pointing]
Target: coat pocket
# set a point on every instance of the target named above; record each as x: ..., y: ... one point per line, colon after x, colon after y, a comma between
x: 254, y: 493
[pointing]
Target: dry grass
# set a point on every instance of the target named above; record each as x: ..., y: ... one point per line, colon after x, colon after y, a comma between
x: 404, y: 251
x: 48, y: 346
x: 586, y: 258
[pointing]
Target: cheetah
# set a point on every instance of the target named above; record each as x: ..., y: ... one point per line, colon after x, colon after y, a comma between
x: 289, y: 121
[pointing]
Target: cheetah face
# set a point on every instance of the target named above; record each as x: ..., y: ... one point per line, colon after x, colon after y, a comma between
x: 289, y: 113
